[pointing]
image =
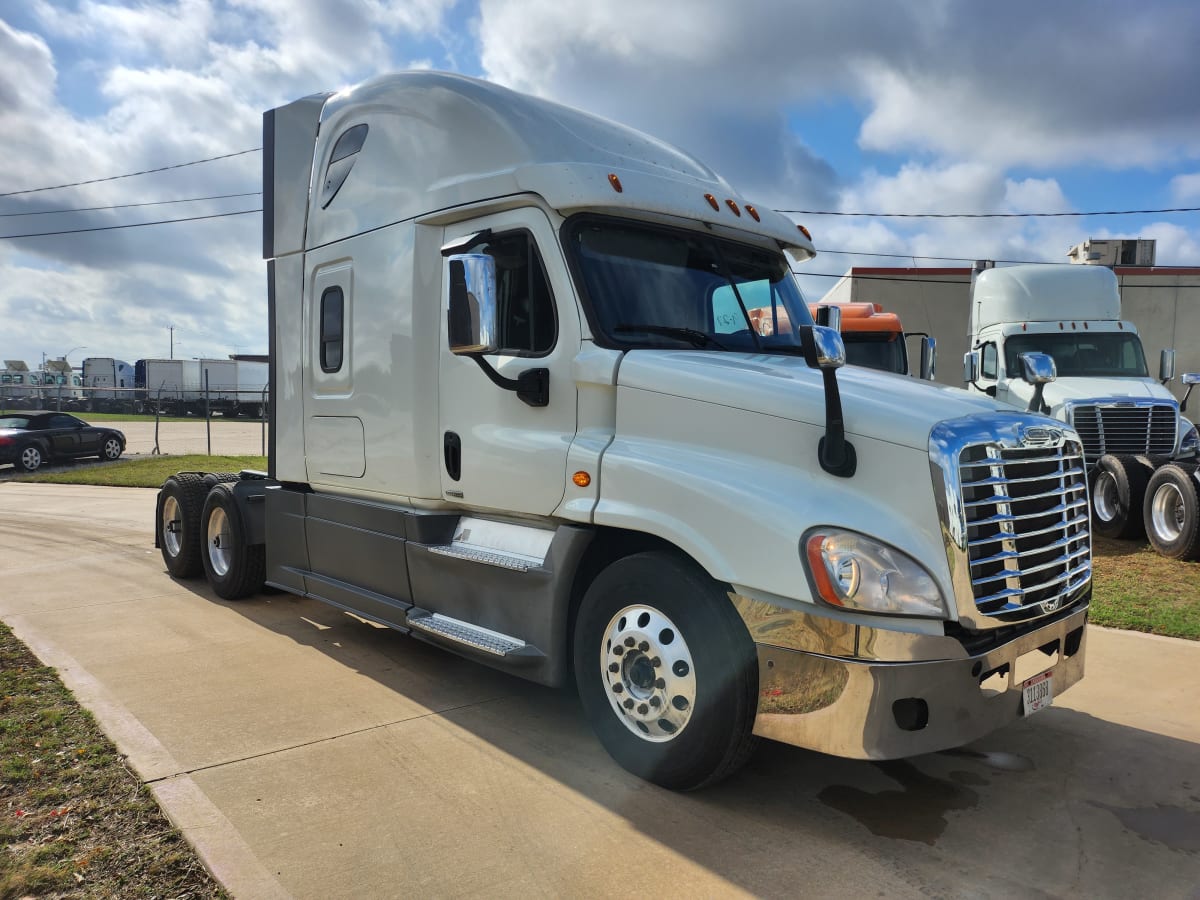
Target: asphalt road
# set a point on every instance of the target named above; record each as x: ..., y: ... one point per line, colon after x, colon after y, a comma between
x: 307, y: 753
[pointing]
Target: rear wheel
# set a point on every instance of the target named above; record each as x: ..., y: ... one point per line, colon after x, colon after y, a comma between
x: 31, y: 458
x: 234, y: 568
x: 1172, y: 512
x: 1118, y: 488
x: 667, y: 672
x: 181, y: 500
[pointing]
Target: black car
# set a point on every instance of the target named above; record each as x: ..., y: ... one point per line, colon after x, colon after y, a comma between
x: 30, y: 438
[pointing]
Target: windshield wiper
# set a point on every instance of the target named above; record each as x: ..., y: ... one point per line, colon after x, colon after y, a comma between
x: 693, y: 336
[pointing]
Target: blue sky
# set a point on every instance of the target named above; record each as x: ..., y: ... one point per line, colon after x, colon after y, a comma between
x: 933, y: 106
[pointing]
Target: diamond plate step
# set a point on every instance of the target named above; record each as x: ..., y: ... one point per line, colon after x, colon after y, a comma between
x: 465, y: 633
x: 487, y: 557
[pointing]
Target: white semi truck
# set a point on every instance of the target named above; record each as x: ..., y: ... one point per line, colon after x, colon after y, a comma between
x: 1138, y: 446
x: 519, y: 410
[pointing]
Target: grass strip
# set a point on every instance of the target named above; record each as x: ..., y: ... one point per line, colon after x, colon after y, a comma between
x: 147, y: 471
x: 74, y: 820
x: 1136, y: 589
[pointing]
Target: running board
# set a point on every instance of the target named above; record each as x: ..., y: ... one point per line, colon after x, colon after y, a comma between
x: 466, y: 634
x: 517, y: 548
x: 487, y: 557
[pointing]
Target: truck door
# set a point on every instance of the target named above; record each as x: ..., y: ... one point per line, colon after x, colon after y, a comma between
x: 498, y: 452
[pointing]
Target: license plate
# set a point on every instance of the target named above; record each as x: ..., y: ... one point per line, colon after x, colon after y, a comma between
x: 1039, y: 693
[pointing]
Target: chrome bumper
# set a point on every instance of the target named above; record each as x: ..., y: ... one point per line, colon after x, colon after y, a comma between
x: 871, y: 709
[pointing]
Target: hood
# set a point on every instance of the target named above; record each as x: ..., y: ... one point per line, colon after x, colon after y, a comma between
x: 1056, y: 393
x: 894, y: 408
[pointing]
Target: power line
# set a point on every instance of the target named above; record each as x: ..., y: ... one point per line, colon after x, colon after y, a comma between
x: 1024, y: 215
x: 50, y: 212
x: 194, y: 162
x: 244, y: 212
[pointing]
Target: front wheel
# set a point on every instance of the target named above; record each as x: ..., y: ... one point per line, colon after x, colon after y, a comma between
x: 112, y: 448
x: 1172, y: 512
x: 234, y: 568
x: 667, y: 672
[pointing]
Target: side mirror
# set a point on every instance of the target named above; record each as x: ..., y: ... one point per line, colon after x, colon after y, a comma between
x: 970, y: 366
x: 829, y: 317
x: 471, y: 315
x: 824, y: 350
x: 928, y: 358
x: 1166, y: 365
x: 1038, y: 369
x: 1191, y: 379
x: 829, y: 349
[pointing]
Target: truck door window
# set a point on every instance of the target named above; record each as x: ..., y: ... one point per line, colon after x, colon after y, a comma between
x: 527, y: 318
x: 989, y: 363
x: 332, y: 315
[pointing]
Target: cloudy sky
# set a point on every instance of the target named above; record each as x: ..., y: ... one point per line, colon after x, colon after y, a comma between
x: 941, y: 106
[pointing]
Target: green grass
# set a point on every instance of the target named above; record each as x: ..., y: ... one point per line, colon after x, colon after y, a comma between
x: 148, y: 471
x: 1136, y: 589
x: 74, y: 820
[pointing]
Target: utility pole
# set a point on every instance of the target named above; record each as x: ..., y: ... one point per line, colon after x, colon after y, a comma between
x: 171, y: 328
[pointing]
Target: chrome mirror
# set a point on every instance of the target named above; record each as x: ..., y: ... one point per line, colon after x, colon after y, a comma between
x: 471, y: 324
x: 1038, y: 368
x: 1166, y: 365
x: 928, y: 358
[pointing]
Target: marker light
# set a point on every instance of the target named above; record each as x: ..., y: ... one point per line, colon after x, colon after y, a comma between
x: 855, y: 572
x: 753, y: 213
x: 712, y: 201
x: 804, y: 231
x: 583, y: 479
x: 737, y: 212
x: 615, y: 182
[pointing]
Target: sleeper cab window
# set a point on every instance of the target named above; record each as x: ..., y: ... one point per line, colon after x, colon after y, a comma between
x: 341, y: 161
x: 525, y: 306
x: 333, y: 314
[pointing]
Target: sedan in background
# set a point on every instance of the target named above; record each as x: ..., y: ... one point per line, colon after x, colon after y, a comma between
x: 31, y: 438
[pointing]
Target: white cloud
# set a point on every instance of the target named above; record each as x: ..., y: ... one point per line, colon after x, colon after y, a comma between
x: 1185, y: 188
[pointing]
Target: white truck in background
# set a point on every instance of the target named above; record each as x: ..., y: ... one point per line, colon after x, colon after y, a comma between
x: 1140, y: 449
x: 19, y: 387
x: 62, y: 387
x: 520, y: 410
x: 169, y: 387
x: 109, y: 385
x: 252, y: 393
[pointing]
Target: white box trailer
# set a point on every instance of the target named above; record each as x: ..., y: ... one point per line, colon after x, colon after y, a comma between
x: 518, y: 411
x: 219, y: 384
x: 170, y: 386
x: 253, y: 395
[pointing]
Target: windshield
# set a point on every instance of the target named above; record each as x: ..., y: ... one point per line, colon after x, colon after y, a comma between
x: 873, y: 350
x: 650, y: 286
x: 1111, y: 353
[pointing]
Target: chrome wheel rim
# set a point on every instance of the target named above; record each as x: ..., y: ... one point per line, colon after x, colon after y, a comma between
x: 648, y: 673
x: 1166, y: 512
x: 1104, y: 500
x: 219, y: 541
x: 31, y: 458
x: 112, y: 448
x: 172, y: 522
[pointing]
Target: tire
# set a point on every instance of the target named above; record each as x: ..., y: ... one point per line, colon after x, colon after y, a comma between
x: 180, y: 503
x: 30, y: 458
x: 687, y: 722
x: 112, y: 448
x: 234, y: 568
x: 1172, y: 512
x: 1118, y: 488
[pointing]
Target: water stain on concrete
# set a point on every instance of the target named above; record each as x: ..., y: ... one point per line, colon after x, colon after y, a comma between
x: 1171, y: 826
x: 915, y: 813
x: 1006, y: 762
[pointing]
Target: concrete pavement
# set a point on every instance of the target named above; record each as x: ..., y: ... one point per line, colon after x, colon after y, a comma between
x: 307, y: 753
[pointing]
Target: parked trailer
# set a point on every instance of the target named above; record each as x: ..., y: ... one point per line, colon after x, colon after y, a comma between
x: 252, y: 395
x: 514, y: 415
x: 168, y: 386
x: 1139, y: 448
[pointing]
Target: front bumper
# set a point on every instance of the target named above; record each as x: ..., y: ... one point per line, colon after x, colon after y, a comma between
x: 871, y: 709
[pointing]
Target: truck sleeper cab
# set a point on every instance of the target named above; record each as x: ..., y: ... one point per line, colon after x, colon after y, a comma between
x: 521, y: 410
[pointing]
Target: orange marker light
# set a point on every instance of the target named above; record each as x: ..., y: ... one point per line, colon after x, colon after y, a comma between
x: 753, y: 213
x: 615, y: 182
x: 583, y: 479
x: 737, y: 212
x: 712, y: 201
x: 816, y: 565
x: 804, y: 231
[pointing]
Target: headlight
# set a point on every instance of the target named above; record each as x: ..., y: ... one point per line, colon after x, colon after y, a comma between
x: 853, y: 571
x: 1190, y: 443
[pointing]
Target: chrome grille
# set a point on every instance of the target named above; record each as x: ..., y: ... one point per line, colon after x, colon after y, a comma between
x: 1026, y: 515
x: 1125, y: 427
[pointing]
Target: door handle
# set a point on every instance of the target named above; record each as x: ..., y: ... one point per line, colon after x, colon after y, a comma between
x: 452, y: 452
